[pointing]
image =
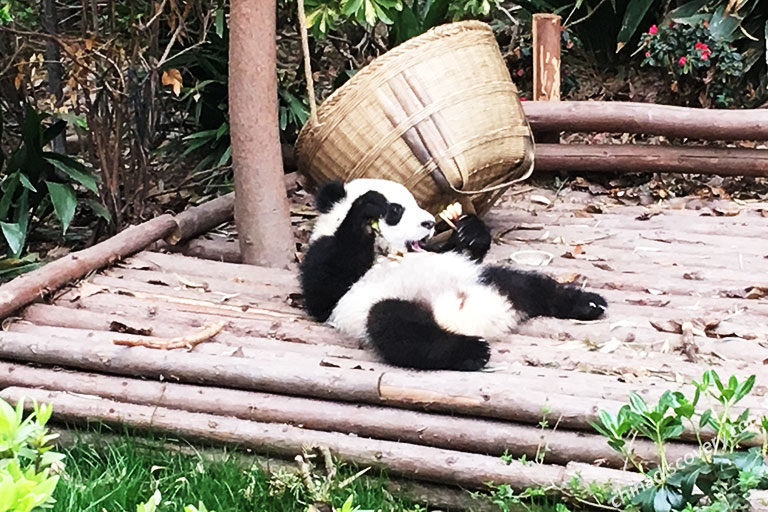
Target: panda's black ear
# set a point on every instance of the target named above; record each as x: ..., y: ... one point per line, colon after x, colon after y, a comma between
x: 329, y: 194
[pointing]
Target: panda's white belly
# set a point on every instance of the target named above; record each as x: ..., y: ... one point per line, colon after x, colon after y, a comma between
x: 448, y: 283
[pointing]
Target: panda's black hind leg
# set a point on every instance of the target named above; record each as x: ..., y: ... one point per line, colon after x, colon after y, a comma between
x: 539, y: 295
x: 405, y: 334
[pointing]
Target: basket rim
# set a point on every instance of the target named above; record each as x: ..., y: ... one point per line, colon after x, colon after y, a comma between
x: 434, y: 34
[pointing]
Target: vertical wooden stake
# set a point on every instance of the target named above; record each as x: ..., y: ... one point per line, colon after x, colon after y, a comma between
x: 546, y: 57
x: 546, y: 65
x: 261, y: 203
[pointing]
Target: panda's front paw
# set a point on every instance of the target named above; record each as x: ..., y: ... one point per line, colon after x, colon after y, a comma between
x: 472, y: 236
x: 588, y: 306
x: 369, y: 207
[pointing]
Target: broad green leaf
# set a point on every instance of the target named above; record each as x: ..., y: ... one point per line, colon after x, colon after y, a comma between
x: 407, y: 25
x: 26, y: 183
x: 69, y: 167
x: 220, y: 22
x: 436, y: 14
x: 64, y: 202
x: 721, y: 27
x: 52, y: 131
x: 687, y: 9
x: 8, y: 189
x: 99, y: 209
x: 632, y: 17
x: 14, y: 236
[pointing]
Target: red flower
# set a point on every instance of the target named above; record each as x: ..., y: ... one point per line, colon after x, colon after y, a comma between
x: 647, y: 54
x: 520, y: 72
x: 653, y: 29
x: 682, y: 60
x: 523, y: 98
x: 704, y: 49
x: 671, y: 23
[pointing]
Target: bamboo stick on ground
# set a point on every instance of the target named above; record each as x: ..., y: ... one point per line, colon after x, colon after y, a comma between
x: 464, y: 434
x: 403, y: 459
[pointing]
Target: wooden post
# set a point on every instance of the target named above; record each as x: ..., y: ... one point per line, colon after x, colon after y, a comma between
x: 546, y: 57
x: 261, y: 204
x: 546, y: 65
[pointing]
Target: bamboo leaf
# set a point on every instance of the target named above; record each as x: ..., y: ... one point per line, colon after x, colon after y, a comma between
x: 70, y: 168
x: 64, y: 202
x: 632, y: 17
x: 14, y: 236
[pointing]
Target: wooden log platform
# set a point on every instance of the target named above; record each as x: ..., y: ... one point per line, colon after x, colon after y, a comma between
x: 273, y: 380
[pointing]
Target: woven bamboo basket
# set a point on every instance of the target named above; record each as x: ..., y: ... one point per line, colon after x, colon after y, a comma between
x: 439, y: 114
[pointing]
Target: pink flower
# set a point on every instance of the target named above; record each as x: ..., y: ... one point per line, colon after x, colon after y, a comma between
x: 520, y: 72
x: 701, y: 46
x: 704, y: 56
x: 523, y: 98
x: 653, y: 29
x: 682, y: 60
x: 647, y: 54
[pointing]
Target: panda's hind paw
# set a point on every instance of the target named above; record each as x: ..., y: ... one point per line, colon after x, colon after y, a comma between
x: 471, y: 354
x: 588, y: 306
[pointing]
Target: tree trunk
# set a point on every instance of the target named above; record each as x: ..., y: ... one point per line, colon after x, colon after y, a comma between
x: 261, y: 204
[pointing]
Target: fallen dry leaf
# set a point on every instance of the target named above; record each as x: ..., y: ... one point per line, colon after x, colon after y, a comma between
x: 120, y: 327
x: 757, y: 292
x: 540, y: 200
x: 172, y: 77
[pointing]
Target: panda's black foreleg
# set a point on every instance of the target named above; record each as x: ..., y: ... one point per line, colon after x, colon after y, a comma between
x: 538, y: 295
x: 405, y: 334
x: 334, y: 263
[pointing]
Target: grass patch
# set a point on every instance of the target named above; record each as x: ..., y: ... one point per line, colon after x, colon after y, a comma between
x: 125, y: 472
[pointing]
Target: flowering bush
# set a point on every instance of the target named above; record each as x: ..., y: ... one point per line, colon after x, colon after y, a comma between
x: 695, y: 59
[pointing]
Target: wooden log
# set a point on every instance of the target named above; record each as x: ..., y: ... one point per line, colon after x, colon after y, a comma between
x: 457, y: 433
x: 29, y: 287
x: 402, y: 459
x: 200, y: 219
x: 648, y: 158
x: 432, y: 495
x: 478, y: 394
x: 546, y: 58
x: 666, y: 120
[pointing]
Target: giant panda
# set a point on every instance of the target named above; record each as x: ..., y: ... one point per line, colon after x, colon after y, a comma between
x: 424, y: 310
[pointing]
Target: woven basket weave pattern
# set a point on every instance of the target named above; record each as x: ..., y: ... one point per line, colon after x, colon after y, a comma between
x: 446, y: 92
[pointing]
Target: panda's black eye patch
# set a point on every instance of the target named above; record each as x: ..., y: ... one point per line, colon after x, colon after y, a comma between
x: 394, y: 214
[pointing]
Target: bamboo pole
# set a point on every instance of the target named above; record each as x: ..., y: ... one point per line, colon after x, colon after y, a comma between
x: 651, y: 119
x: 648, y: 158
x: 465, y: 434
x: 402, y: 459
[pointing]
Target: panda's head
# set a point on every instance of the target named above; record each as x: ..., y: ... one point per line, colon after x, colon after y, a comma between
x: 404, y: 227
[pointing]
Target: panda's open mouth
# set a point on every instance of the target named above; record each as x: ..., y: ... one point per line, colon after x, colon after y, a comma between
x: 415, y: 246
